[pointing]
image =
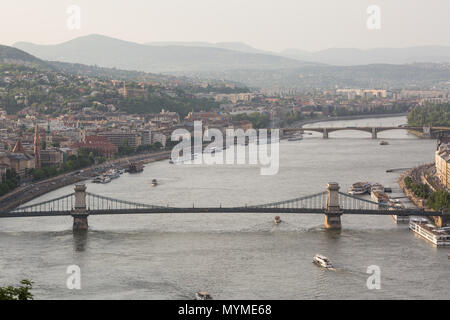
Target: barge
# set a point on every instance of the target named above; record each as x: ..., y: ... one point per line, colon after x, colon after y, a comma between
x: 135, y: 167
x: 437, y: 236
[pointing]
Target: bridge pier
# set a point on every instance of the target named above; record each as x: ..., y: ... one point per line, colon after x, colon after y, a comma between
x: 333, y: 211
x: 427, y: 132
x: 325, y: 133
x: 444, y: 220
x: 374, y: 133
x: 80, y: 213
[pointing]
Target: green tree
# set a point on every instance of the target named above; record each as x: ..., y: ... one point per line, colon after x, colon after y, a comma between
x: 17, y: 293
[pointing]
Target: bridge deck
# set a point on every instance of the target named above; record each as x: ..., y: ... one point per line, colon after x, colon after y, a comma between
x: 405, y: 212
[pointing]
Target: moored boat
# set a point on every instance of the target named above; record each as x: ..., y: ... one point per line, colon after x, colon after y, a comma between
x: 135, y: 167
x: 113, y: 174
x: 359, y: 188
x: 437, y: 236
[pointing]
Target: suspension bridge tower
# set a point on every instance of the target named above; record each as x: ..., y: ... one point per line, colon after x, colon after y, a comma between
x: 80, y: 213
x: 333, y: 210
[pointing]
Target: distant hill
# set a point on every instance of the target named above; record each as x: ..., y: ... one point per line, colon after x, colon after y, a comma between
x: 385, y: 76
x: 236, y: 46
x: 12, y: 55
x: 351, y: 57
x: 110, y: 52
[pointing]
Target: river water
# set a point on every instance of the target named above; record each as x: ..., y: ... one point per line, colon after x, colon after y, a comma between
x: 237, y: 256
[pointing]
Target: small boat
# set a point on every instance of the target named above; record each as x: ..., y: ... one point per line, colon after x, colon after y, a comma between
x: 97, y: 179
x: 154, y: 182
x: 384, y: 143
x: 102, y: 179
x: 322, y: 261
x: 277, y: 220
x: 203, y: 295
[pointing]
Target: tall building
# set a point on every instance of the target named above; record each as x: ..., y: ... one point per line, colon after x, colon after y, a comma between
x: 37, y: 148
x: 442, y: 163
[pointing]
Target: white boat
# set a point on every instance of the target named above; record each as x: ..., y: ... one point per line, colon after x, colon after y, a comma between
x: 437, y: 236
x: 322, y: 261
x: 359, y: 188
x: 113, y: 174
x: 203, y: 295
x: 101, y: 179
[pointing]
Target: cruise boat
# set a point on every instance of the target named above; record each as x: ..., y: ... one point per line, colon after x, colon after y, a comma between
x: 322, y: 261
x: 359, y: 188
x: 437, y: 236
x: 203, y: 295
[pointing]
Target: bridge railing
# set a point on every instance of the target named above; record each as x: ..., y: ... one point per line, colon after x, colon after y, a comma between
x: 96, y: 202
x: 314, y: 201
x: 60, y: 204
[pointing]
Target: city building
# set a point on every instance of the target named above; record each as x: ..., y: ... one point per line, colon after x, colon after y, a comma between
x: 442, y: 163
x: 51, y: 157
x: 100, y: 144
x: 123, y: 138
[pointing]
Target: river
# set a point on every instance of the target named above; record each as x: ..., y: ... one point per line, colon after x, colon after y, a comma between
x: 237, y: 256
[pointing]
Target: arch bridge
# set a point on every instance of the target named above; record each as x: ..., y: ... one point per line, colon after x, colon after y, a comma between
x: 427, y: 131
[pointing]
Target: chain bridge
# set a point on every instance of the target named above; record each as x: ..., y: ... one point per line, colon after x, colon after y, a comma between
x: 331, y: 203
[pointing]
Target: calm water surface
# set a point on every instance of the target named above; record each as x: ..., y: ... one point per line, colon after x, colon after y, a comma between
x: 237, y: 256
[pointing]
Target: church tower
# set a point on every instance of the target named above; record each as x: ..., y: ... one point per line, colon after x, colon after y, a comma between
x: 124, y: 93
x: 37, y: 148
x: 48, y: 136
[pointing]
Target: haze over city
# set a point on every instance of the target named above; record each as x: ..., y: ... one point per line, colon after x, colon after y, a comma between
x: 264, y: 24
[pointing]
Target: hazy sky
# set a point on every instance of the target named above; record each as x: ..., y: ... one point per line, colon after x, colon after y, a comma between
x: 265, y: 24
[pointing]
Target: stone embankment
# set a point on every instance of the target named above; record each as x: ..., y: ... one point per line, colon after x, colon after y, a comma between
x: 418, y: 175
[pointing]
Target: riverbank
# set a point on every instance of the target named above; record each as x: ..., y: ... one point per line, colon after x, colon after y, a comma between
x: 418, y: 175
x: 27, y: 193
